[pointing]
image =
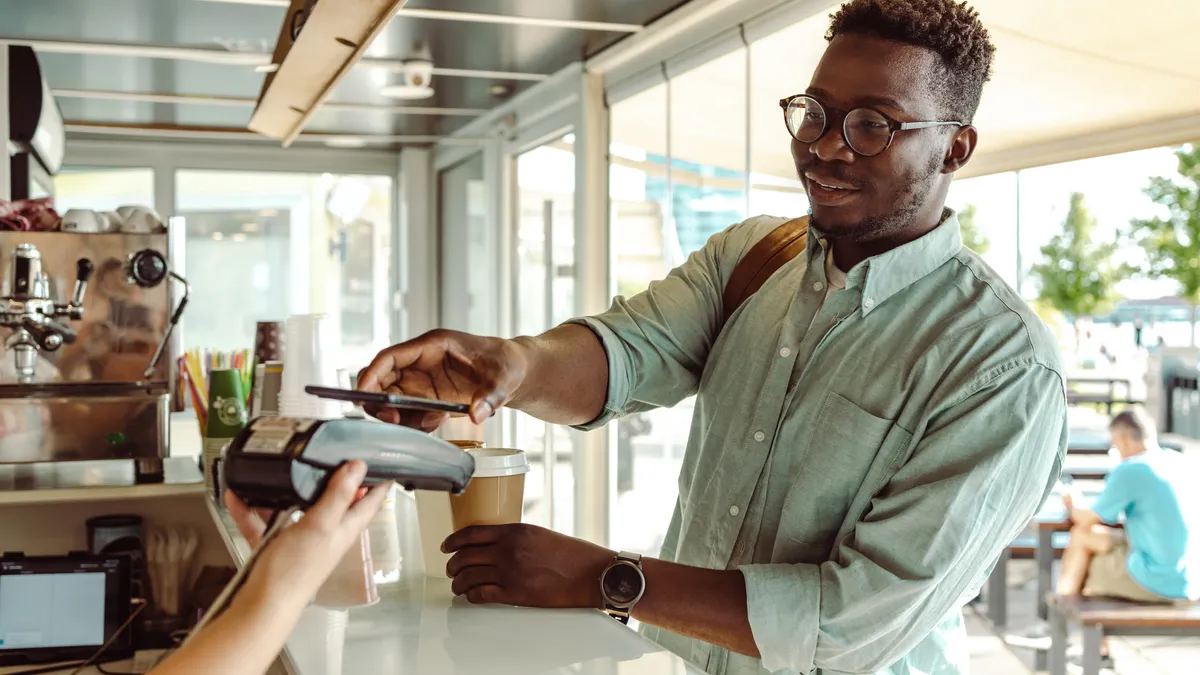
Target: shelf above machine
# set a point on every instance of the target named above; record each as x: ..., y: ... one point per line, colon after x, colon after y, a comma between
x: 64, y: 482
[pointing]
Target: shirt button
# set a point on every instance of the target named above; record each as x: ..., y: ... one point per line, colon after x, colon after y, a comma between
x: 734, y: 510
x: 785, y: 352
x: 818, y: 286
x: 760, y: 437
x: 869, y: 303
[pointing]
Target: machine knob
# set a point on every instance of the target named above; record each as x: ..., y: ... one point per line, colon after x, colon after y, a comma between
x: 83, y: 270
x: 146, y: 268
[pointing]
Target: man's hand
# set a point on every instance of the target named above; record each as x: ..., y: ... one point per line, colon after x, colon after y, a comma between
x: 481, y: 372
x: 1071, y: 497
x: 526, y: 566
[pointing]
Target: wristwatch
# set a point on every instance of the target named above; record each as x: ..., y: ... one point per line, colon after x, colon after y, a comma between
x: 622, y: 585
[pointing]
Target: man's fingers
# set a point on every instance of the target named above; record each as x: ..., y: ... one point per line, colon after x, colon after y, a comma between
x: 384, y: 368
x: 413, y: 419
x: 483, y: 407
x: 429, y: 421
x: 471, y: 556
x: 476, y: 535
x: 486, y: 594
x: 383, y: 414
x: 474, y: 577
x: 339, y: 494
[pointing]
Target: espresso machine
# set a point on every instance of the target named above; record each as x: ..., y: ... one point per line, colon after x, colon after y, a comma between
x: 87, y: 372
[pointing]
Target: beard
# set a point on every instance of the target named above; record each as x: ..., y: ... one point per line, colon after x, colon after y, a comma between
x: 918, y: 183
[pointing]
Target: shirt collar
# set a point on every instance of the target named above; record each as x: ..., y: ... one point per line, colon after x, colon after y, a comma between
x: 887, y: 274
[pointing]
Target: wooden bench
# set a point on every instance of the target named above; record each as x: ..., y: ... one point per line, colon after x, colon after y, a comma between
x: 1106, y: 401
x: 1022, y: 548
x: 1101, y: 617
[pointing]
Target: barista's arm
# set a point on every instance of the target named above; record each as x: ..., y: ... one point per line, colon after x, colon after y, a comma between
x: 242, y: 641
x: 245, y: 639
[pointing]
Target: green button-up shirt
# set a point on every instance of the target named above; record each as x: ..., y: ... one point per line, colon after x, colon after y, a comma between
x: 862, y: 458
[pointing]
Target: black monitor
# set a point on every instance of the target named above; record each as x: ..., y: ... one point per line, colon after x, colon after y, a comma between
x: 63, y: 608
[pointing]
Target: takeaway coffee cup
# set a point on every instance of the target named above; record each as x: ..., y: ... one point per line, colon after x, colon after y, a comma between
x: 496, y: 491
x: 435, y: 522
x: 494, y: 497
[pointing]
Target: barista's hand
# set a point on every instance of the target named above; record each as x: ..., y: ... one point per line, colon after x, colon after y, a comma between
x: 526, y: 566
x: 304, y: 554
x: 447, y: 366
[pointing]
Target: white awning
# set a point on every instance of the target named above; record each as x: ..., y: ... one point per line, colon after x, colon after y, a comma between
x: 1073, y: 79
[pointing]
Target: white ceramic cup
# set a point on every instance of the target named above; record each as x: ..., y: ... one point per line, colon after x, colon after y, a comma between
x: 113, y: 221
x: 139, y: 220
x: 82, y: 220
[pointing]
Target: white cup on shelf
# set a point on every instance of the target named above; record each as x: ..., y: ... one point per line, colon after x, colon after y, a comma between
x: 310, y: 360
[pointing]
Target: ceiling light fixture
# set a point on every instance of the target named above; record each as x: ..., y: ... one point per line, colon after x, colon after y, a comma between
x: 407, y: 92
x: 416, y: 72
x: 346, y: 142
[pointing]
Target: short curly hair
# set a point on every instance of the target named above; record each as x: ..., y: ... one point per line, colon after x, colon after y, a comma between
x: 948, y: 28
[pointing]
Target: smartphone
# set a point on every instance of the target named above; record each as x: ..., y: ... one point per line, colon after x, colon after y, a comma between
x: 388, y: 400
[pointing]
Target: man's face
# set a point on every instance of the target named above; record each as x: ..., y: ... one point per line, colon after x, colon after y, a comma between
x: 874, y: 196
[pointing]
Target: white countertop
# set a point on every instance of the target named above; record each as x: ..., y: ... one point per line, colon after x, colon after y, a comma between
x: 419, y: 628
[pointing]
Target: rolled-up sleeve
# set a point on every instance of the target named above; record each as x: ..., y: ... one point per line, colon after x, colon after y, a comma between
x: 658, y: 341
x: 979, y: 473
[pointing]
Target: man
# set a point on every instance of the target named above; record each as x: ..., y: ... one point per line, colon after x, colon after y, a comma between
x: 1155, y: 559
x: 872, y: 426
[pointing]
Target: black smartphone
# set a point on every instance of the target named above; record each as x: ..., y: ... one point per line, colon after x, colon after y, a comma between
x: 388, y: 400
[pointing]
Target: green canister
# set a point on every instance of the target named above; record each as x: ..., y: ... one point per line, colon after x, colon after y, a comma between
x: 226, y: 419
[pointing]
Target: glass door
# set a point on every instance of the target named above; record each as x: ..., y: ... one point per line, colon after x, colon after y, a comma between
x: 261, y: 246
x: 469, y: 245
x: 544, y: 270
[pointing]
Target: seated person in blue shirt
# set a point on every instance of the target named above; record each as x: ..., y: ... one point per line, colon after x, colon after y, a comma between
x: 1155, y: 558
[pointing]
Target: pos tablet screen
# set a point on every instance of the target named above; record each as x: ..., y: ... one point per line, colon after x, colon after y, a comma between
x: 62, y: 608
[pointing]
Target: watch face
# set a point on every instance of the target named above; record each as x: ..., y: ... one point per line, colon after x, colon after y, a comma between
x: 623, y: 584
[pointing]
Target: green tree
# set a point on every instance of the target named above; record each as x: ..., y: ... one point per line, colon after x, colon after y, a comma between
x: 1172, y: 244
x: 1078, y: 275
x: 972, y: 237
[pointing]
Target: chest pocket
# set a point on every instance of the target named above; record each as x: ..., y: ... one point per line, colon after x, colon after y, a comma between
x: 850, y: 452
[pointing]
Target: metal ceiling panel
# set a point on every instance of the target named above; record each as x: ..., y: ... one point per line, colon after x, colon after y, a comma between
x: 473, y: 44
x: 182, y: 22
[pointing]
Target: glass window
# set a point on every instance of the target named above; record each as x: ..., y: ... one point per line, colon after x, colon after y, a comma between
x: 708, y: 149
x: 1113, y: 190
x: 987, y: 210
x: 649, y: 445
x: 780, y: 65
x: 470, y: 250
x: 263, y: 246
x: 545, y: 297
x: 102, y: 189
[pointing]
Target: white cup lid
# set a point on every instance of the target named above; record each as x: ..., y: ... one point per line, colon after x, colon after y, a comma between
x: 497, y: 462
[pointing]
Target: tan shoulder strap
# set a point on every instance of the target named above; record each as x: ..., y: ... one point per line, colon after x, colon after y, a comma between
x: 763, y: 259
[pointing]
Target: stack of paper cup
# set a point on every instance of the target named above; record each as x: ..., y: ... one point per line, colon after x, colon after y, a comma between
x: 310, y: 359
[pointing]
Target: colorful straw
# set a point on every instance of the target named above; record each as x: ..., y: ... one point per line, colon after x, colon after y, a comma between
x: 195, y: 367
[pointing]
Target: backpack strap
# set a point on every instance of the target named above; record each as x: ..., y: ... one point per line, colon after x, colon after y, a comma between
x: 763, y: 259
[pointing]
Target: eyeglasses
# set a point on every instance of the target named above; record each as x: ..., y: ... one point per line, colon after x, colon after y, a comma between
x: 867, y: 131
